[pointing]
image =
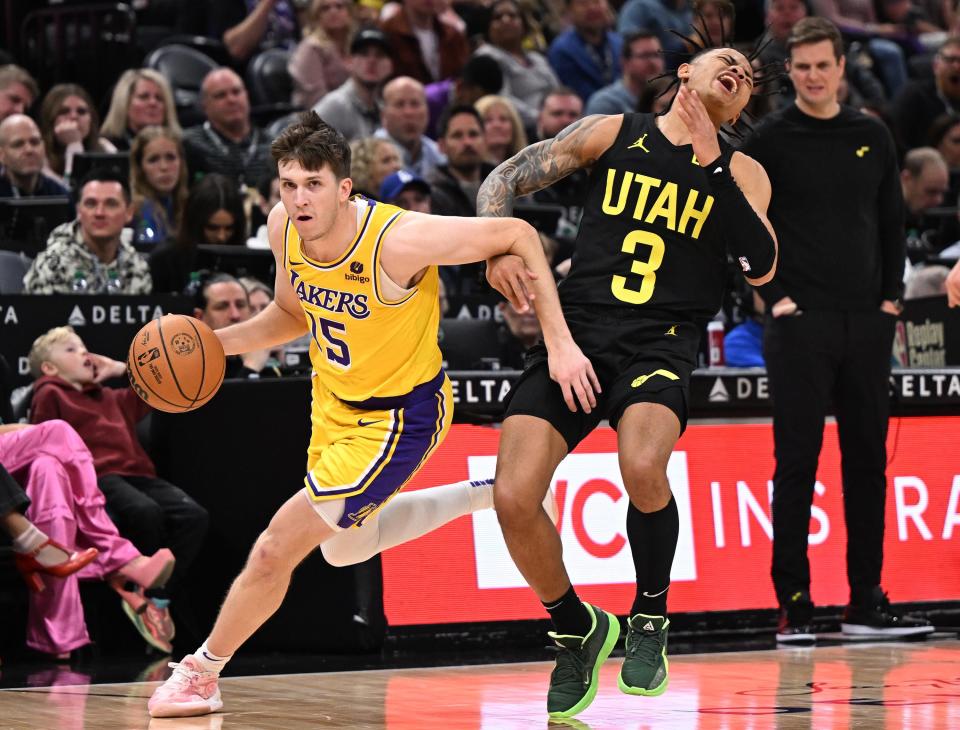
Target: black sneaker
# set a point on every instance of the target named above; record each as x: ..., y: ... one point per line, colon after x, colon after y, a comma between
x: 796, y: 617
x: 878, y: 619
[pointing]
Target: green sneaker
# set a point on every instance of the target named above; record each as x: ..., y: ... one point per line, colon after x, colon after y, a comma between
x: 645, y: 670
x: 573, y: 682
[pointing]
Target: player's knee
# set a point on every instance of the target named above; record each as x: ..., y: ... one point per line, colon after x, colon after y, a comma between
x: 268, y: 560
x: 643, y: 477
x: 340, y: 555
x: 513, y: 505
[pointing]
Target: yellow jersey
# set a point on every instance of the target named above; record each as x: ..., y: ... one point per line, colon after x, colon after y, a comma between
x: 370, y: 337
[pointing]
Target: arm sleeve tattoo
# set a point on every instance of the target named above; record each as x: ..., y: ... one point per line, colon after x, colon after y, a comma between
x: 535, y: 167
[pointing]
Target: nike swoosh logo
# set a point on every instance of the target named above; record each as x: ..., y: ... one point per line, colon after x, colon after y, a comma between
x: 654, y: 595
x: 361, y: 422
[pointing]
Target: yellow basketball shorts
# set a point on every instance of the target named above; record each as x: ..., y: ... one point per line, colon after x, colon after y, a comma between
x: 364, y: 453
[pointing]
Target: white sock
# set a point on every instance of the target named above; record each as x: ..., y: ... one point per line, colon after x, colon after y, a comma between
x: 31, y: 539
x: 406, y: 517
x: 209, y: 661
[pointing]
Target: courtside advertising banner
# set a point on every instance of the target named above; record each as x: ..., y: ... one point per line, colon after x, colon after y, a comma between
x: 721, y: 478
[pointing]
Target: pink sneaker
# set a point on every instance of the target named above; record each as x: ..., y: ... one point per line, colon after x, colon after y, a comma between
x: 190, y: 691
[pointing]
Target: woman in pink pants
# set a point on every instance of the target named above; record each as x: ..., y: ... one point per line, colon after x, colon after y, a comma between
x: 56, y: 470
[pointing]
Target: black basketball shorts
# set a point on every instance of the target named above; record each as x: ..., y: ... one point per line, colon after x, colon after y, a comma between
x: 636, y: 359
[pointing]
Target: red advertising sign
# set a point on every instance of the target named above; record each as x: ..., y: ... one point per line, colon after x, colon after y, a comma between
x: 721, y: 479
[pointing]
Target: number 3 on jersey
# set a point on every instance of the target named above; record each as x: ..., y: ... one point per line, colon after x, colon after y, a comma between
x: 335, y: 349
x: 647, y: 269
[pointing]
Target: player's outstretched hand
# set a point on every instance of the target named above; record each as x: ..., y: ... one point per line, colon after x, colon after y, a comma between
x: 953, y: 286
x: 572, y: 371
x: 703, y: 133
x: 105, y: 368
x: 509, y: 276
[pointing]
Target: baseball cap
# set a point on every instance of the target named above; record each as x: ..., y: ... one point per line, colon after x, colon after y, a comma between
x: 396, y: 183
x: 368, y: 37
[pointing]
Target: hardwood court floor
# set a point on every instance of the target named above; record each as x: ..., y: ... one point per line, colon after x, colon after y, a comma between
x: 875, y: 686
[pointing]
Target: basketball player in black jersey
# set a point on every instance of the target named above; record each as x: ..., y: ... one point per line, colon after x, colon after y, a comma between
x: 667, y: 199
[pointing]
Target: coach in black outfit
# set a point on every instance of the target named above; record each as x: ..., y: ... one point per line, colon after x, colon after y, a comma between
x: 838, y: 211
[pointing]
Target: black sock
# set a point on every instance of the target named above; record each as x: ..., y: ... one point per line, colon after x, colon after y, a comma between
x: 568, y: 614
x: 653, y: 542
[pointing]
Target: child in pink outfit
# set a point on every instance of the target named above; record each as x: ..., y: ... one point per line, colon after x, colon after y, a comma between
x: 56, y: 470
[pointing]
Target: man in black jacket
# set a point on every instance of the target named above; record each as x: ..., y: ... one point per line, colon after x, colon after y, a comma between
x: 455, y: 185
x: 838, y: 211
x: 923, y: 100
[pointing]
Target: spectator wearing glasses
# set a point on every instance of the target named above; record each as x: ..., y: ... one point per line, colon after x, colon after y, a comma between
x: 642, y: 59
x: 923, y: 100
x: 321, y: 61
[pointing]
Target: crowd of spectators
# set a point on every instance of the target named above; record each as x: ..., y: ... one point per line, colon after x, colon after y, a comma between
x: 431, y: 97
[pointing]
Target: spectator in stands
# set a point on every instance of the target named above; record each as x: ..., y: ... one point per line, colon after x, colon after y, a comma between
x: 926, y: 281
x: 714, y: 20
x: 505, y: 135
x: 220, y: 302
x: 70, y: 124
x: 945, y: 138
x: 87, y: 255
x: 212, y: 215
x: 642, y: 60
x: 141, y: 98
x: 743, y: 345
x: 21, y: 154
x: 924, y: 181
x: 659, y: 17
x: 149, y: 510
x: 158, y: 179
x: 353, y: 108
x: 262, y: 199
x: 407, y: 191
x: 480, y: 76
x: 561, y: 108
x: 258, y: 293
x: 527, y: 75
x: 519, y: 332
x: 426, y: 46
x: 321, y: 61
x: 858, y: 18
x: 227, y: 142
x: 454, y: 186
x: 372, y: 159
x: 921, y: 101
x: 404, y: 122
x: 587, y: 56
x: 17, y: 90
x: 243, y: 26
x: 67, y: 507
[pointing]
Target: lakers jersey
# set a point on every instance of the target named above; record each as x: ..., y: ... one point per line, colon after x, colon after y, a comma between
x: 366, y: 340
x: 650, y: 238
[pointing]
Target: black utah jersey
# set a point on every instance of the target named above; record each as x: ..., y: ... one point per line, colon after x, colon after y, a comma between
x: 650, y: 237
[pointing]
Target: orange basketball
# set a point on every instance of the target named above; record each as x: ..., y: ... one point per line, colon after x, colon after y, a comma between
x: 176, y: 363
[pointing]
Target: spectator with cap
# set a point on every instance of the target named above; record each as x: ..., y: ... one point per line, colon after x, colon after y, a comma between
x: 321, y: 61
x: 22, y: 158
x: 88, y: 254
x: 353, y: 108
x: 404, y: 122
x: 17, y: 90
x: 586, y: 57
x: 480, y: 77
x: 227, y: 142
x: 426, y: 46
x: 407, y: 191
x: 527, y: 75
x: 642, y: 60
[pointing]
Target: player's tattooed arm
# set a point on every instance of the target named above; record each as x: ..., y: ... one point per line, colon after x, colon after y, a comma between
x: 539, y: 165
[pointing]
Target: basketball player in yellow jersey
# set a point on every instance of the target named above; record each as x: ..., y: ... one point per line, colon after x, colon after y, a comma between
x: 361, y: 278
